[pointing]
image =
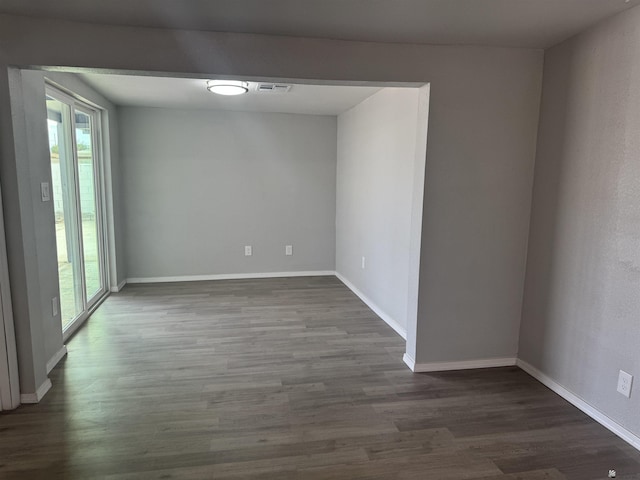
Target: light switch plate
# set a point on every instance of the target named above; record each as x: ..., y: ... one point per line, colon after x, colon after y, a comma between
x: 288, y: 250
x: 248, y: 251
x: 45, y: 191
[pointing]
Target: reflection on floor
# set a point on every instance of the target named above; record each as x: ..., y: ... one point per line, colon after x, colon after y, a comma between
x: 68, y: 307
x: 285, y: 379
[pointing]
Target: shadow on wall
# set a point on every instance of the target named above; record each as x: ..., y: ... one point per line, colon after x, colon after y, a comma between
x: 541, y: 279
x: 564, y: 306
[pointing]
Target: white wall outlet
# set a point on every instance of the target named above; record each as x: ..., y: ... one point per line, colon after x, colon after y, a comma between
x: 364, y: 263
x: 248, y: 251
x: 288, y: 250
x: 625, y: 381
x: 54, y: 306
x: 45, y: 192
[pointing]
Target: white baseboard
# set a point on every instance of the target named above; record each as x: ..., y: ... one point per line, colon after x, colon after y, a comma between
x: 229, y: 276
x: 462, y: 365
x: 118, y: 287
x: 579, y: 403
x: 53, y: 361
x: 410, y: 361
x: 371, y: 304
x: 36, y: 397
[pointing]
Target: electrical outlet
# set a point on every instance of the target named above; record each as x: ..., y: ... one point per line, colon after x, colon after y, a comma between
x: 364, y: 263
x: 625, y: 381
x: 54, y: 306
x: 248, y: 251
x: 288, y: 250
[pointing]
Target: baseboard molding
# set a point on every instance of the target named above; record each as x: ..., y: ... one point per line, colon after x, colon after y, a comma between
x: 53, y: 361
x: 579, y: 403
x: 410, y: 361
x: 40, y: 393
x: 118, y: 287
x: 371, y: 304
x: 229, y: 276
x: 462, y: 365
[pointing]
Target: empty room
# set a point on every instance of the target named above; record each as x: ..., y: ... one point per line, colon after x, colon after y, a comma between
x: 298, y: 239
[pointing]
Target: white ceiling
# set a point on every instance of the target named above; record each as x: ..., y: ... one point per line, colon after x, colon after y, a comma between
x: 188, y: 93
x: 519, y: 23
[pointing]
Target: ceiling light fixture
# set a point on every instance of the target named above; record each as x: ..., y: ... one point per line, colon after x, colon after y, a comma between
x: 227, y: 87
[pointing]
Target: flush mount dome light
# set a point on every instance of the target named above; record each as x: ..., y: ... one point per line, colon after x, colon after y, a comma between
x: 227, y: 87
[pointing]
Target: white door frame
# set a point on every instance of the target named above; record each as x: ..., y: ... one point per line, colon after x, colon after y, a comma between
x: 95, y: 113
x: 9, y: 380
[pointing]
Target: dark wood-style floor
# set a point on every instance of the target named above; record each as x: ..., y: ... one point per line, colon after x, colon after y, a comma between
x: 285, y: 379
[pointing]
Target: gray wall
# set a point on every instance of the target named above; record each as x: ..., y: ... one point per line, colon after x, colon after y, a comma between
x: 38, y: 162
x: 45, y: 239
x: 580, y: 322
x: 200, y: 185
x: 481, y: 145
x: 31, y: 240
x: 483, y: 118
x: 21, y: 212
x: 376, y: 156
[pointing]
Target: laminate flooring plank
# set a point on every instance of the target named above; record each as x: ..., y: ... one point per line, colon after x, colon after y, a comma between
x: 285, y: 378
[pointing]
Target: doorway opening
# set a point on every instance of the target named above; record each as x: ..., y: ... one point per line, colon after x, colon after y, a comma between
x: 74, y: 130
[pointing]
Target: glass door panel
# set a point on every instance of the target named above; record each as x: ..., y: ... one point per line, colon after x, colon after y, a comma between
x: 74, y: 145
x: 64, y: 200
x: 85, y: 135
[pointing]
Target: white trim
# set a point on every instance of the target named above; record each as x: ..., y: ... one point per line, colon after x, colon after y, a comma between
x: 417, y: 203
x: 579, y: 403
x: 53, y: 361
x: 40, y: 393
x: 410, y: 361
x: 462, y: 365
x: 376, y: 309
x: 229, y: 276
x: 120, y: 286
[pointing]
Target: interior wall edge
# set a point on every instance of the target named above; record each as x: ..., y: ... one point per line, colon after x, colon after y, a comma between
x: 417, y: 207
x: 20, y: 232
x: 38, y: 395
x: 120, y: 286
x: 408, y: 359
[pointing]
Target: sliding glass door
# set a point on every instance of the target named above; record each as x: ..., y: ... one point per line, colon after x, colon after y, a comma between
x: 74, y: 145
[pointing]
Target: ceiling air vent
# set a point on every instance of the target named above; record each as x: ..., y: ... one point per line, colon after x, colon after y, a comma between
x: 273, y: 87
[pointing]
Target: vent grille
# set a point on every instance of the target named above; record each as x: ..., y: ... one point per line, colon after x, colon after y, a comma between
x: 273, y: 87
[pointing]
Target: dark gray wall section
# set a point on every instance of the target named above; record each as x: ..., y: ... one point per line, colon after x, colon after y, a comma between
x: 21, y: 230
x: 38, y: 161
x: 580, y: 319
x: 477, y: 198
